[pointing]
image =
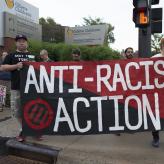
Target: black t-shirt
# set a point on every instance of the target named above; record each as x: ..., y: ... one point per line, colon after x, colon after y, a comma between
x: 15, y: 58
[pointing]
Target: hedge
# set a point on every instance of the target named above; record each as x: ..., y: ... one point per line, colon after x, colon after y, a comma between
x: 62, y: 52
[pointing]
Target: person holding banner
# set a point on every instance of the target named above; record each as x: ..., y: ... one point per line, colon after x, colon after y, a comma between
x: 44, y: 56
x: 76, y: 54
x: 155, y: 134
x: 4, y: 54
x: 2, y: 57
x: 129, y: 53
x: 5, y: 78
x: 13, y: 63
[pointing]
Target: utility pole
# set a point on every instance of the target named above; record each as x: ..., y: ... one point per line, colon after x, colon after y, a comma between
x: 144, y: 42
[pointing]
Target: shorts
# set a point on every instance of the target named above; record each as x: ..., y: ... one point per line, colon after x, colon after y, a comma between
x: 15, y: 103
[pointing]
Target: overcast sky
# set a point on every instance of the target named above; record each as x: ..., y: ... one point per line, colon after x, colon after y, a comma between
x: 116, y: 12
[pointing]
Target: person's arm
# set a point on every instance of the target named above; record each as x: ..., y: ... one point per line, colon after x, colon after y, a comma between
x: 8, y: 67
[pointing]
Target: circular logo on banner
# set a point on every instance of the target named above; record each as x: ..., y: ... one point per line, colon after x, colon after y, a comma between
x: 38, y: 114
x: 10, y: 3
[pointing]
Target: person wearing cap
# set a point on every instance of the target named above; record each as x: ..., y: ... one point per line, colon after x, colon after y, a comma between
x: 13, y: 63
x: 76, y: 55
x: 155, y: 134
x: 44, y: 56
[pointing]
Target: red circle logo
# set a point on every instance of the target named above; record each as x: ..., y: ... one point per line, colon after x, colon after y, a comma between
x: 38, y: 114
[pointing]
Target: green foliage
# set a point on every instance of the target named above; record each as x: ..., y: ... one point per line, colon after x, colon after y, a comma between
x: 51, y: 31
x: 155, y: 43
x: 35, y: 47
x: 62, y: 52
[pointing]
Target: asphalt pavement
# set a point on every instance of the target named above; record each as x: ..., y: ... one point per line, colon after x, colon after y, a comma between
x: 95, y: 149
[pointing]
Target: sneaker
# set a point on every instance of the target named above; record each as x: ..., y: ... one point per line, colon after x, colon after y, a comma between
x: 20, y: 137
x: 155, y: 143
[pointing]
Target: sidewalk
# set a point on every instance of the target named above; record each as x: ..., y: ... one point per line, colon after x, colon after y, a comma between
x: 96, y: 149
x: 8, y: 124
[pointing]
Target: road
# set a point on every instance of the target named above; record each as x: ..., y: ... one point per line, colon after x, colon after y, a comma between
x: 96, y: 149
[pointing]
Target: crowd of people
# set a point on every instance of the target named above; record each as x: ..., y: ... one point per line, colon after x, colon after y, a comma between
x: 13, y: 62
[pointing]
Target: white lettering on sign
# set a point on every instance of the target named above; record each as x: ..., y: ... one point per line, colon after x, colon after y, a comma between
x: 143, y: 109
x: 75, y: 88
x: 75, y: 114
x: 59, y: 119
x: 105, y: 77
x: 112, y: 84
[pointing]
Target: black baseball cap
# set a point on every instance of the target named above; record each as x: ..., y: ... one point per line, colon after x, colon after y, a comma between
x: 20, y: 37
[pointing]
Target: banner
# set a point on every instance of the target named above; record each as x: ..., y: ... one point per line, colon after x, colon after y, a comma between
x: 98, y: 97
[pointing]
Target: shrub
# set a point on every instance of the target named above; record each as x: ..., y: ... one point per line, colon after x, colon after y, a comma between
x: 62, y: 52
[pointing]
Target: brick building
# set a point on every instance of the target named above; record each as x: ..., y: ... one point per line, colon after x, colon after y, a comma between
x: 9, y: 45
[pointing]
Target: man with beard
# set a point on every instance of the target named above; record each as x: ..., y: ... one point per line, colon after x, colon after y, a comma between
x: 129, y: 53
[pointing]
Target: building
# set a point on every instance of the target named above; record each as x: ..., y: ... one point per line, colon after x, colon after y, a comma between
x: 18, y: 17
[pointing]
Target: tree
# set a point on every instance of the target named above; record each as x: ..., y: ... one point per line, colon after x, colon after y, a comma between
x: 51, y: 22
x: 51, y: 31
x: 98, y: 21
x: 155, y: 43
x: 42, y: 21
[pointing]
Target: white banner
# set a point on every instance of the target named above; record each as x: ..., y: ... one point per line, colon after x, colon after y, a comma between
x: 86, y: 35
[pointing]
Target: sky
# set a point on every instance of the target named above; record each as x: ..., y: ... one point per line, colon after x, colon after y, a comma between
x: 116, y: 12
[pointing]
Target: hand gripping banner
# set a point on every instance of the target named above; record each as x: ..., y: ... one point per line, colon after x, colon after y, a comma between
x: 98, y: 97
